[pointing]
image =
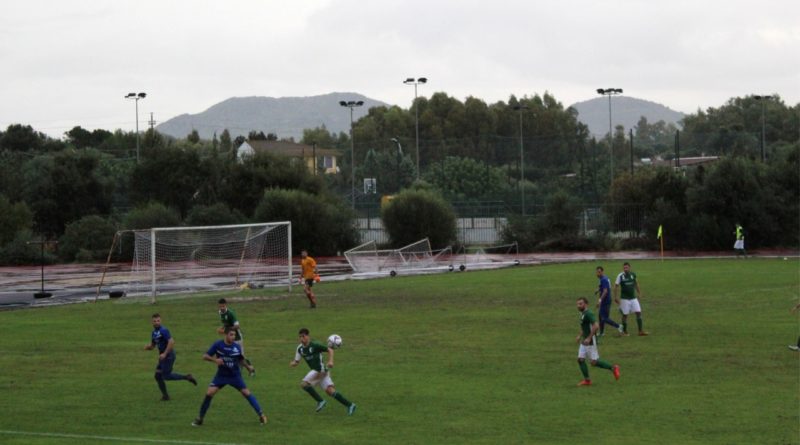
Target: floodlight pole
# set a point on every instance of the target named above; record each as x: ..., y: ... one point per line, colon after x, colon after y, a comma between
x: 412, y: 81
x: 520, y: 108
x: 352, y: 104
x: 763, y: 100
x: 610, y: 92
x: 136, y: 97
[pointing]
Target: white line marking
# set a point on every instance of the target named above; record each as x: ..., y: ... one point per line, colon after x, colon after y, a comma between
x: 112, y: 438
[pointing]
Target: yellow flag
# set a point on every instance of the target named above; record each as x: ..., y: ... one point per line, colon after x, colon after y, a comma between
x: 659, y: 231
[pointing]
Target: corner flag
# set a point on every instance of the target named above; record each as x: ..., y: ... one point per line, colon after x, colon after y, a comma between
x: 659, y: 232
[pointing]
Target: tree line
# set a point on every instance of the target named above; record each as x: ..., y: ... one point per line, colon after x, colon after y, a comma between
x: 81, y: 188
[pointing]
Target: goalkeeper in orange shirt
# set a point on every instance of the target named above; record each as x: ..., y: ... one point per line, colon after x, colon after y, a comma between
x: 308, y: 274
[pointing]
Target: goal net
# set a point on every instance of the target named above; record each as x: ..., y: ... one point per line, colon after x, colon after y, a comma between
x: 191, y: 259
x: 415, y: 257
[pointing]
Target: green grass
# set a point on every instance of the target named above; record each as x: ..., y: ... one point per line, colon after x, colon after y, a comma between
x: 479, y: 357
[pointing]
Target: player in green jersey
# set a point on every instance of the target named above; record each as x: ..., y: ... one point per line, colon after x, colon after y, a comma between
x: 320, y: 374
x: 588, y: 344
x: 626, y: 287
x: 229, y: 320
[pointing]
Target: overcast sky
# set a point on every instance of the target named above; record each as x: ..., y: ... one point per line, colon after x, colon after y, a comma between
x: 68, y: 62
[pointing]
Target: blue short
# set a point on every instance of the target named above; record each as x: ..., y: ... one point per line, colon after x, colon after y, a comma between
x: 165, y: 366
x: 605, y: 311
x: 220, y: 382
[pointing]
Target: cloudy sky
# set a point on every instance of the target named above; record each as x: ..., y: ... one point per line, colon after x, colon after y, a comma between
x: 70, y: 62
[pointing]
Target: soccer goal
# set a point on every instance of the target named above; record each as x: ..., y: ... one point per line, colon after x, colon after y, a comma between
x: 488, y: 257
x: 417, y: 257
x: 191, y: 259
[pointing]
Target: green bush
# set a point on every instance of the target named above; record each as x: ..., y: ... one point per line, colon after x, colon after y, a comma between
x: 15, y: 217
x: 213, y: 215
x: 153, y: 214
x: 87, y: 239
x: 416, y: 214
x: 322, y: 225
x: 20, y: 251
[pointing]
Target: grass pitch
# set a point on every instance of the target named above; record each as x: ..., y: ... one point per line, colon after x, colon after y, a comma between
x: 479, y: 357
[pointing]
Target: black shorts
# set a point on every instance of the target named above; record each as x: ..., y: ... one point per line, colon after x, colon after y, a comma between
x: 310, y: 282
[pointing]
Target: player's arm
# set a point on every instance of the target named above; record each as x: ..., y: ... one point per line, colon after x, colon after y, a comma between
x: 150, y: 346
x: 212, y: 359
x: 588, y: 340
x: 330, y: 358
x: 638, y: 291
x: 616, y: 290
x: 603, y: 295
x: 296, y: 360
x: 244, y: 364
x: 796, y: 307
x: 168, y: 349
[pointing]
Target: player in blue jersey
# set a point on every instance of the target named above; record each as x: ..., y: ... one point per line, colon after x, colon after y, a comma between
x: 162, y: 339
x: 604, y: 302
x: 228, y: 357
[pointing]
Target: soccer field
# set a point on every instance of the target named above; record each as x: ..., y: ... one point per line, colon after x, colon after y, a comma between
x: 478, y: 357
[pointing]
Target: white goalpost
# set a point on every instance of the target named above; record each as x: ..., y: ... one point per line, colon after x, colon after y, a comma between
x: 192, y: 259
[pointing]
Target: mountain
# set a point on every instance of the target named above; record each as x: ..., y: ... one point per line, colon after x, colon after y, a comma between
x: 625, y: 111
x: 284, y: 116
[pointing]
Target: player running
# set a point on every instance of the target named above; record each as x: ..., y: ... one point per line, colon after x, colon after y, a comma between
x: 229, y: 320
x: 319, y: 375
x: 228, y: 357
x: 604, y: 302
x: 308, y: 273
x: 161, y: 338
x: 630, y: 293
x: 588, y: 344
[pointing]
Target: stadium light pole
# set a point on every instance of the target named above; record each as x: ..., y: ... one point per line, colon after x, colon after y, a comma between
x: 412, y: 81
x: 520, y: 109
x: 136, y: 98
x: 610, y: 92
x: 763, y: 100
x: 352, y: 104
x: 399, y: 156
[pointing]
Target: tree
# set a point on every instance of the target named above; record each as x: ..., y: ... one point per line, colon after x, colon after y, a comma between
x: 416, y: 214
x: 16, y: 217
x: 225, y: 143
x: 171, y: 175
x: 319, y: 223
x: 466, y: 178
x: 193, y: 137
x: 86, y: 239
x: 19, y: 137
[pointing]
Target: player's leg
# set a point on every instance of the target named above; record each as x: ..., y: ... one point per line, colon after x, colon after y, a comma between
x: 582, y: 352
x: 307, y: 285
x: 624, y: 309
x: 307, y: 384
x: 250, y: 399
x: 162, y: 386
x: 166, y: 369
x: 638, y: 310
x: 328, y: 386
x: 212, y: 389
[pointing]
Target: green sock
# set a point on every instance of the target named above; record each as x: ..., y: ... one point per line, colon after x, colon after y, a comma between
x: 313, y: 393
x: 624, y: 326
x: 341, y: 399
x: 603, y: 364
x: 584, y: 370
x: 639, y: 323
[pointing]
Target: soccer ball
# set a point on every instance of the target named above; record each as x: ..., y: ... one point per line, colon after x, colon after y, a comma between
x: 334, y: 341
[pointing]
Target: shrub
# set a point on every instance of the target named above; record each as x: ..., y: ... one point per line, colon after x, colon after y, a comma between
x: 89, y: 236
x: 416, y: 214
x: 320, y: 224
x: 213, y: 215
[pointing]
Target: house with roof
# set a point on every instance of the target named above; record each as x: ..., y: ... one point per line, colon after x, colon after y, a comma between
x: 315, y: 158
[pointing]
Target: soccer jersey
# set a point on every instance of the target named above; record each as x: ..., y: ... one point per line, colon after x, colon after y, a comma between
x: 231, y: 355
x: 229, y: 320
x: 627, y: 284
x: 308, y: 266
x: 604, y: 284
x: 587, y: 320
x: 312, y: 354
x: 160, y: 337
